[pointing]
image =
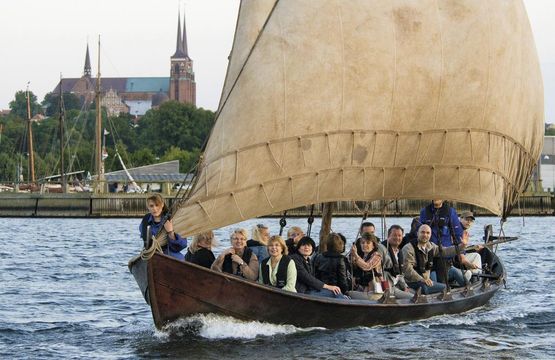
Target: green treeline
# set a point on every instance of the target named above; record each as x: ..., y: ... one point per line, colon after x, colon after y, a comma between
x: 174, y: 131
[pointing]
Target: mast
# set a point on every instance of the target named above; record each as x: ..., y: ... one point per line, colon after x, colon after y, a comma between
x: 62, y: 115
x: 327, y: 214
x: 30, y: 141
x: 98, y: 132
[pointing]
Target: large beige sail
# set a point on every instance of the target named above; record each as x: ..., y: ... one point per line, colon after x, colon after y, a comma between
x: 367, y: 100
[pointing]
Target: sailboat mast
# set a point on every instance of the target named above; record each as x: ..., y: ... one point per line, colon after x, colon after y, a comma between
x: 30, y: 141
x: 62, y: 115
x: 98, y: 133
x: 325, y: 229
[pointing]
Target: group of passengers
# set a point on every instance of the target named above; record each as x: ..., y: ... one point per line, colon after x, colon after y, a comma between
x: 429, y: 256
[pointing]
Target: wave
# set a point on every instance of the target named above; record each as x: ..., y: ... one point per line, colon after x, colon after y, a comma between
x: 217, y: 327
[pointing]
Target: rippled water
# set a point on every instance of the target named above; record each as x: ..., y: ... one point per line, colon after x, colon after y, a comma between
x: 66, y: 292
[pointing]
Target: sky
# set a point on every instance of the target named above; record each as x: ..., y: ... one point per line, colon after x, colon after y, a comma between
x: 39, y: 39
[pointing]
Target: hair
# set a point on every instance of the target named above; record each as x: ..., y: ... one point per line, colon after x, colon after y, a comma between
x: 365, y: 224
x: 306, y: 240
x: 415, y: 224
x: 370, y: 237
x: 334, y: 243
x: 293, y: 229
x: 209, y: 235
x: 241, y: 231
x: 158, y: 200
x: 395, y: 227
x: 278, y: 239
x: 256, y: 235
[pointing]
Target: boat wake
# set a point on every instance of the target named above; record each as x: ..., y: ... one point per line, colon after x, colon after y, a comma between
x: 215, y: 327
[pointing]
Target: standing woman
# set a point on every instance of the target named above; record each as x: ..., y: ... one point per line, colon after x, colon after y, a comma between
x: 238, y: 259
x: 157, y: 217
x: 200, y: 250
x: 278, y: 270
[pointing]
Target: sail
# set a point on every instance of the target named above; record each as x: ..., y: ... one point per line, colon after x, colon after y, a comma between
x: 367, y: 100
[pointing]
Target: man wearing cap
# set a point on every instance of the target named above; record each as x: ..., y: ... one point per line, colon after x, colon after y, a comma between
x: 467, y: 219
x: 307, y: 283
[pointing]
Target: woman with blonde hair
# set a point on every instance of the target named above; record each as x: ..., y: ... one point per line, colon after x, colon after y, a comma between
x: 278, y: 270
x: 200, y: 250
x: 238, y: 259
x: 259, y: 241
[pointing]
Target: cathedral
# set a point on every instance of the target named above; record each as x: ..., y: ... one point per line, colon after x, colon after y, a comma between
x: 136, y: 95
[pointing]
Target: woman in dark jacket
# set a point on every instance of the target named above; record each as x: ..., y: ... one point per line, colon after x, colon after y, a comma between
x: 329, y: 267
x: 200, y: 250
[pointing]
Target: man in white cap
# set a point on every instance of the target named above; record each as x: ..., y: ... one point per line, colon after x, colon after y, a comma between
x: 467, y: 219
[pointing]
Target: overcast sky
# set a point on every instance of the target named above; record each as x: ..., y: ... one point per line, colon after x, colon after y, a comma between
x: 39, y: 39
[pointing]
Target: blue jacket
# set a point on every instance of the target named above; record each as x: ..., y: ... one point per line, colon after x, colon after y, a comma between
x: 174, y: 247
x: 440, y: 220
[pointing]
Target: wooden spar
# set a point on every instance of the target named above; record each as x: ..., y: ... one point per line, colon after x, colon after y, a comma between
x: 30, y: 140
x: 98, y: 132
x: 327, y: 213
x: 62, y: 115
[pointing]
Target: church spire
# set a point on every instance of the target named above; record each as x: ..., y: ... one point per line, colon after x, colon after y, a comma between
x: 179, y: 52
x: 87, y: 70
x: 185, y: 50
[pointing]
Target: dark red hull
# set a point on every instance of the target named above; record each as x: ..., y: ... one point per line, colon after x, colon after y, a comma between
x: 177, y: 289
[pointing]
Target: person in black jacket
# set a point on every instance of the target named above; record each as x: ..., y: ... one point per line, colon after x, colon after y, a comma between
x: 200, y: 250
x: 329, y: 266
x: 307, y: 283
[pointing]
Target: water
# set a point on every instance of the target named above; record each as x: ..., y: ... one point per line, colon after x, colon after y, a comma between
x: 66, y: 292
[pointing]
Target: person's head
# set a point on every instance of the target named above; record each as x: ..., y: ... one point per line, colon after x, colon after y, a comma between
x: 202, y: 240
x: 295, y: 233
x: 156, y: 205
x: 424, y: 233
x: 344, y: 239
x: 368, y: 242
x: 306, y: 246
x: 395, y: 235
x: 437, y: 203
x: 334, y: 244
x: 467, y: 219
x: 239, y: 239
x: 261, y: 233
x: 276, y: 246
x: 367, y: 227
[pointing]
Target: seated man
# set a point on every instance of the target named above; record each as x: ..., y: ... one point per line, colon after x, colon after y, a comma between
x: 418, y: 262
x: 394, y: 274
x: 467, y: 219
x: 447, y: 231
x: 471, y: 263
x: 307, y: 283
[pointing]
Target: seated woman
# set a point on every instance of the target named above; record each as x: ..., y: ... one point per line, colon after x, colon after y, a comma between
x: 278, y: 270
x: 329, y: 266
x: 259, y: 241
x: 158, y: 217
x: 200, y: 250
x: 294, y: 234
x: 366, y: 266
x: 307, y: 283
x: 238, y: 259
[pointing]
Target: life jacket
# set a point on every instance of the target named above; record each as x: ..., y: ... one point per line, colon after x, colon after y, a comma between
x: 144, y: 225
x: 422, y: 265
x: 226, y: 266
x: 398, y: 268
x: 364, y: 277
x: 281, y: 276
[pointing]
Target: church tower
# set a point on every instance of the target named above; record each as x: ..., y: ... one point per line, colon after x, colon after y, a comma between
x: 182, y: 77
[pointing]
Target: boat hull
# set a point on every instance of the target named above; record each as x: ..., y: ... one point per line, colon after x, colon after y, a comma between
x: 177, y: 289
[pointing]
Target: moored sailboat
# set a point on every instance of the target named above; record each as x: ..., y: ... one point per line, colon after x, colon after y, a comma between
x: 340, y: 101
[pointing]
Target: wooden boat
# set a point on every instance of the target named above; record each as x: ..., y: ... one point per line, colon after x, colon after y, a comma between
x: 330, y: 101
x: 174, y: 289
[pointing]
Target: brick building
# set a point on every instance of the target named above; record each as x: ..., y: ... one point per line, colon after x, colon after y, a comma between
x: 136, y: 95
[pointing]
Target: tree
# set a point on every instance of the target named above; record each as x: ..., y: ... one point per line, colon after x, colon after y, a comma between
x: 143, y: 157
x: 187, y: 159
x: 18, y: 106
x: 52, y: 103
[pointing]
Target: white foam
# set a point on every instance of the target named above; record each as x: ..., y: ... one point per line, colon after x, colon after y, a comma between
x: 212, y: 326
